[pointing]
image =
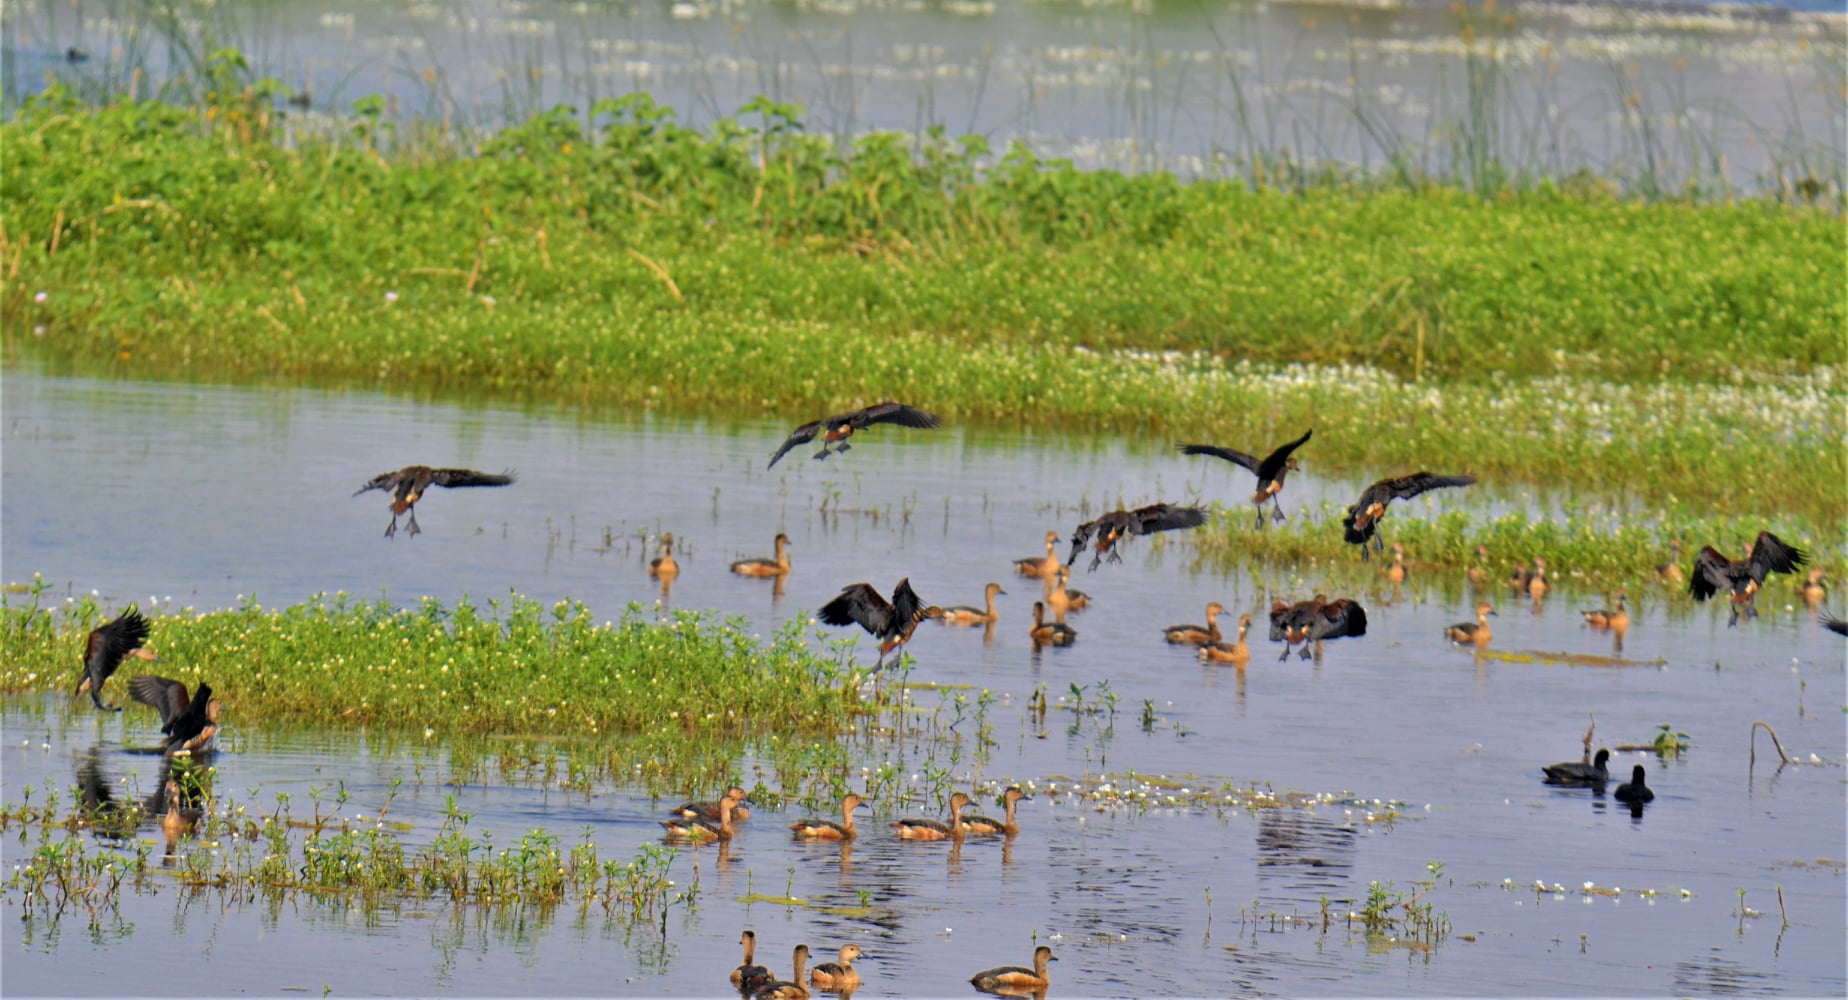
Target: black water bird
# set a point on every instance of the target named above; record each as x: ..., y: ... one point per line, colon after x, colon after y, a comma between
x: 407, y: 486
x: 1111, y: 527
x: 108, y: 645
x: 837, y: 429
x: 1741, y: 578
x: 1361, y: 524
x: 891, y: 622
x: 1574, y: 772
x: 1634, y: 790
x: 1270, y: 471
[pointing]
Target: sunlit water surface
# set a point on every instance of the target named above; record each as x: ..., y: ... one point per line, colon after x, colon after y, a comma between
x: 187, y: 496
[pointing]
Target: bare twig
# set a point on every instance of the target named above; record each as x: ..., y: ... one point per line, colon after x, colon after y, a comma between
x: 1774, y: 742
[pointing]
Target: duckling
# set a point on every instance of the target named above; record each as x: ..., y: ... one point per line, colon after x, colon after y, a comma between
x: 1479, y: 573
x: 790, y: 989
x: 760, y: 566
x: 1574, y: 772
x: 987, y: 825
x: 1014, y: 975
x: 749, y: 976
x: 1061, y: 598
x: 1813, y: 591
x: 709, y: 811
x: 1474, y: 633
x: 1606, y: 618
x: 934, y: 829
x: 1634, y: 790
x: 1197, y: 635
x: 1050, y: 633
x: 963, y: 614
x: 1232, y: 652
x: 837, y: 975
x: 105, y: 649
x: 1044, y: 567
x: 700, y: 830
x: 664, y: 567
x: 827, y: 829
x: 1670, y: 571
x: 1536, y: 581
x: 1396, y: 573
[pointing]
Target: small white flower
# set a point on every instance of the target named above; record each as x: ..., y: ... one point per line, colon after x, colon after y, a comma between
x: 40, y: 297
x: 391, y: 297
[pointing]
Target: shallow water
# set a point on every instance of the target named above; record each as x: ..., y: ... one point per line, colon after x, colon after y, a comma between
x: 208, y: 493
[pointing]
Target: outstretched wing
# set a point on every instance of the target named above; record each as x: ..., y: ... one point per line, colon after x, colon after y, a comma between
x: 168, y: 697
x: 1082, y: 535
x: 382, y: 481
x: 1228, y: 454
x: 110, y: 642
x: 469, y: 477
x: 1274, y: 462
x: 1163, y: 517
x: 1832, y: 623
x: 1348, y: 614
x: 1771, y: 554
x: 893, y: 413
x: 1712, y: 573
x: 800, y: 435
x: 859, y: 604
x: 1407, y: 487
x: 907, y: 607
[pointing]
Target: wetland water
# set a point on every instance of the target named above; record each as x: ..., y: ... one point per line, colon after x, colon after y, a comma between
x: 198, y: 496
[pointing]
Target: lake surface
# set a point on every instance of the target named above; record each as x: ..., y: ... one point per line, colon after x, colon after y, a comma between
x: 198, y: 497
x: 1645, y: 90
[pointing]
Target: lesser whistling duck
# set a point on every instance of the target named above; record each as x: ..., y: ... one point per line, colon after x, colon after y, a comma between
x: 407, y: 486
x: 1336, y: 619
x: 1396, y: 573
x: 891, y: 623
x: 837, y: 975
x: 1229, y: 652
x: 1061, y: 598
x: 1050, y: 633
x: 1607, y: 617
x: 936, y: 829
x: 1479, y: 573
x: 1714, y: 572
x: 963, y: 614
x: 709, y: 811
x: 760, y: 566
x: 1832, y: 623
x: 1670, y: 571
x: 748, y: 977
x: 180, y: 819
x: 837, y: 429
x: 664, y: 566
x: 1813, y: 591
x: 988, y: 825
x: 827, y: 829
x: 105, y: 649
x: 1361, y: 525
x: 1111, y: 527
x: 1575, y: 772
x: 699, y: 829
x: 1474, y: 633
x: 790, y: 989
x: 1014, y: 975
x: 1537, y: 584
x: 1270, y: 471
x: 1045, y: 566
x: 189, y: 723
x: 1634, y: 790
x: 1197, y: 635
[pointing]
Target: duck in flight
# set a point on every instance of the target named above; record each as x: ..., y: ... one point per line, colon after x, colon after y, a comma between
x: 108, y: 645
x: 1361, y: 525
x: 1111, y: 527
x: 1270, y: 471
x: 892, y: 622
x: 837, y: 429
x: 407, y: 486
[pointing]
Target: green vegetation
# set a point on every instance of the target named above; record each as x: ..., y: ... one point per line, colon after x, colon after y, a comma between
x: 1661, y: 353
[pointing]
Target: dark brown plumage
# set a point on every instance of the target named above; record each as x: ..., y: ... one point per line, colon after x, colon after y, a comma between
x: 1714, y: 572
x: 709, y: 811
x: 892, y: 623
x: 108, y: 645
x: 1832, y: 623
x: 837, y: 429
x: 188, y: 722
x: 1575, y: 772
x: 1361, y: 524
x: 1270, y: 471
x: 407, y: 486
x: 1313, y: 620
x: 827, y: 829
x: 748, y: 976
x: 1111, y: 527
x: 1014, y: 977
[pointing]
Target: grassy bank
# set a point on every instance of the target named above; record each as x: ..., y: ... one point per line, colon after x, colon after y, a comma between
x: 1660, y: 353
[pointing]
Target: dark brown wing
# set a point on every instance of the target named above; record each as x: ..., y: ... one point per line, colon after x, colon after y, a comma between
x: 1712, y: 573
x: 1771, y: 554
x: 859, y: 604
x: 800, y: 435
x: 469, y: 477
x: 382, y: 481
x: 168, y: 697
x: 193, y: 720
x: 891, y: 413
x: 1832, y: 623
x: 1407, y: 487
x: 907, y: 607
x: 1344, y: 617
x: 110, y: 642
x: 1081, y: 535
x: 1273, y: 463
x: 1228, y: 454
x: 1164, y: 517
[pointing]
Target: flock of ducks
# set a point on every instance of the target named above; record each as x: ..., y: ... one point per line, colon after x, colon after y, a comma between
x: 758, y: 982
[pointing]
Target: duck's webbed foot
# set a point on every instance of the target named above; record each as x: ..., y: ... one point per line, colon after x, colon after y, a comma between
x: 411, y: 528
x: 1277, y: 512
x: 1260, y: 524
x: 1286, y: 653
